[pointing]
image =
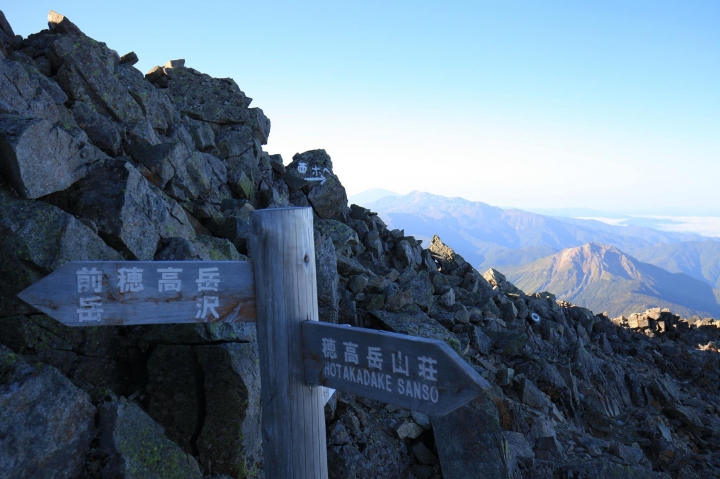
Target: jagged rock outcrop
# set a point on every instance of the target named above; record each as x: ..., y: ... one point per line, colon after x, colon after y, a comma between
x: 170, y: 165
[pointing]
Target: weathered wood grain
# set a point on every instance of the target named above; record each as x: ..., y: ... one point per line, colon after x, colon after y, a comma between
x: 420, y: 374
x: 98, y: 293
x: 293, y: 420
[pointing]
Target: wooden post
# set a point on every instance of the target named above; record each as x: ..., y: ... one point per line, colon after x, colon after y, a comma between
x: 293, y: 421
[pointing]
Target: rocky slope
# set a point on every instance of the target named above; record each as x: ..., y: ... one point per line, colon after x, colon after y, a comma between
x: 100, y: 162
x: 603, y: 277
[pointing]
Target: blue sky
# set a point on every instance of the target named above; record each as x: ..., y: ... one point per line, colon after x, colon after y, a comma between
x: 601, y: 104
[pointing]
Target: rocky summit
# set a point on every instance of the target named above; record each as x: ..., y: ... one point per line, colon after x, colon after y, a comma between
x: 99, y: 161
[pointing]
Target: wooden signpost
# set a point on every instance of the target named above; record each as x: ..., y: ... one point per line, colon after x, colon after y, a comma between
x: 96, y: 293
x: 423, y: 375
x: 297, y: 353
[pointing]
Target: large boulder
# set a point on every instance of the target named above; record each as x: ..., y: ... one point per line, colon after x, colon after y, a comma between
x: 35, y: 239
x: 218, y: 100
x: 46, y: 423
x: 174, y: 398
x: 155, y: 103
x: 86, y: 72
x: 133, y: 445
x: 470, y: 443
x: 327, y: 279
x: 101, y: 131
x: 39, y: 158
x: 129, y: 213
x: 313, y: 172
x: 24, y: 91
x: 230, y: 438
x: 184, y: 173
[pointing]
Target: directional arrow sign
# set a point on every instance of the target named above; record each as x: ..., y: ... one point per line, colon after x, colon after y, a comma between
x: 423, y: 375
x: 94, y: 293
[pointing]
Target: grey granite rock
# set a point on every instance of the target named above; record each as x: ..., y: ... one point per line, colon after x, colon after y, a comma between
x: 134, y: 445
x: 128, y: 212
x: 39, y: 158
x: 46, y: 423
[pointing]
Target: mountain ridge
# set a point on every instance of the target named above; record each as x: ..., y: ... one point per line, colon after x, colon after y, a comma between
x: 488, y: 235
x: 601, y: 276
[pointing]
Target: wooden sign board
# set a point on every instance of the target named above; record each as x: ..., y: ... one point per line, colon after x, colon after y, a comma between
x: 96, y: 293
x: 419, y: 374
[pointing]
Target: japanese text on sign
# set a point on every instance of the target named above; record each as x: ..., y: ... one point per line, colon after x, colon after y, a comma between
x: 365, y: 367
x: 130, y: 280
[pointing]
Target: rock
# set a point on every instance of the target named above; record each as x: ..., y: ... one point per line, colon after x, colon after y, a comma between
x: 202, y: 134
x: 422, y: 289
x: 397, y: 301
x: 134, y: 445
x: 340, y: 233
x: 350, y: 266
x: 28, y: 93
x: 326, y: 194
x: 127, y: 211
x: 174, y: 400
x: 630, y: 455
x: 39, y: 158
x: 230, y: 437
x: 408, y: 255
x: 481, y: 341
x: 520, y: 453
x: 183, y: 173
x: 447, y: 299
x: 155, y: 103
x: 423, y: 454
x: 129, y: 59
x: 462, y: 316
x: 101, y: 131
x: 232, y: 140
x: 35, y: 239
x: 531, y: 395
x: 46, y: 423
x: 468, y: 451
x: 508, y: 310
x: 236, y: 227
x: 504, y: 376
x: 510, y: 342
x: 347, y: 313
x: 61, y: 24
x: 327, y: 279
x: 218, y: 100
x: 444, y: 255
x: 687, y: 415
x: 357, y: 283
x: 86, y: 72
x: 218, y: 249
x: 549, y: 444
x: 5, y: 26
x: 415, y: 324
x: 178, y: 249
x: 408, y: 429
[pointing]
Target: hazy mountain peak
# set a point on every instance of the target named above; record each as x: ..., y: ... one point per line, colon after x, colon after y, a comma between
x: 600, y: 276
x: 368, y: 196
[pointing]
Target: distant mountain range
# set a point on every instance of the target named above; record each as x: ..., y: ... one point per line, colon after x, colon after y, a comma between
x: 489, y: 236
x: 368, y: 196
x: 603, y: 278
x: 524, y: 245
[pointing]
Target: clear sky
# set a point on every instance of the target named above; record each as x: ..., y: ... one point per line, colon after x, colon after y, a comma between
x: 613, y: 105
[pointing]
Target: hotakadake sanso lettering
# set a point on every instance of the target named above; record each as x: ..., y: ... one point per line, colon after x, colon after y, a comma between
x: 419, y: 374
